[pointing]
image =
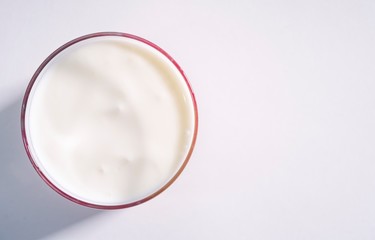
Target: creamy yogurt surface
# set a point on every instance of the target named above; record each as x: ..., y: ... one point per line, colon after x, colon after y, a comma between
x: 110, y: 120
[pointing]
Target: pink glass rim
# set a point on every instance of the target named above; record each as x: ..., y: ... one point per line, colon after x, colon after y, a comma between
x: 26, y: 98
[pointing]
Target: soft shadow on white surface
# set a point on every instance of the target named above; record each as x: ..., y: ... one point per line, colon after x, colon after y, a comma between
x: 29, y: 209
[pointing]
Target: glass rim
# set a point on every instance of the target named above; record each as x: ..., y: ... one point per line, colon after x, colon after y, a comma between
x: 26, y: 140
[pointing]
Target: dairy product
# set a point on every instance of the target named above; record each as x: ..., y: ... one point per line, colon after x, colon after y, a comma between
x: 110, y: 120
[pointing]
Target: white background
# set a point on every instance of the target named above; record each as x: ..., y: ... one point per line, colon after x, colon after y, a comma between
x: 286, y: 94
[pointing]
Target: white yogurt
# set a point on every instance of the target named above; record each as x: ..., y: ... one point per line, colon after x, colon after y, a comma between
x: 110, y: 120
